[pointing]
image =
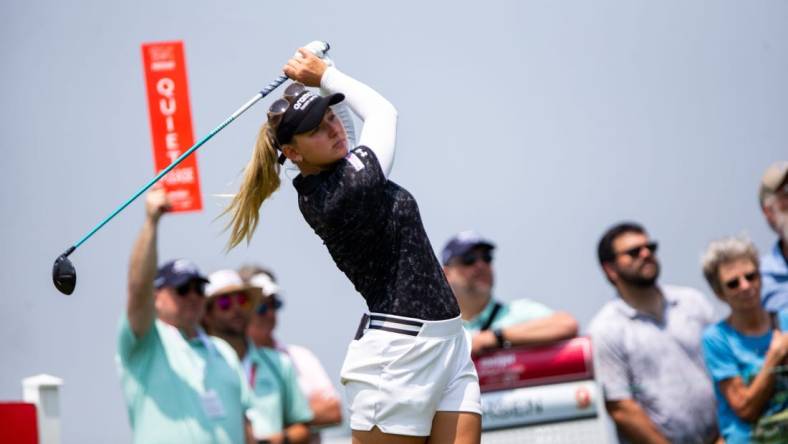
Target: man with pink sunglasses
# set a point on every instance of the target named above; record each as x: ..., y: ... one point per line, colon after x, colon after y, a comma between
x: 279, y: 411
x: 228, y: 307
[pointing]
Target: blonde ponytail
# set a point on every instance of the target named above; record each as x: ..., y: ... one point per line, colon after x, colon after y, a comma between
x: 261, y: 179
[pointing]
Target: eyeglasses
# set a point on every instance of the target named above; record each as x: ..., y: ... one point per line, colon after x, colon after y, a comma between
x: 634, y: 252
x: 734, y: 283
x: 278, y: 108
x: 273, y: 305
x: 186, y: 289
x: 225, y: 301
x: 471, y: 257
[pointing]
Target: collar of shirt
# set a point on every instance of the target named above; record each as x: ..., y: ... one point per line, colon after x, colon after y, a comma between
x: 775, y: 263
x: 201, y: 338
x: 247, y: 359
x: 280, y: 347
x: 477, y: 322
x: 308, y: 184
x: 631, y: 312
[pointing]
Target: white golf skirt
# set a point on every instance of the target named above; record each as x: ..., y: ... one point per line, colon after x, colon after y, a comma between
x: 403, y: 370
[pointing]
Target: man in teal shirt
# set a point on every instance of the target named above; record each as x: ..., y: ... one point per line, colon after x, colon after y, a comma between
x: 279, y: 411
x: 180, y: 384
x: 467, y: 262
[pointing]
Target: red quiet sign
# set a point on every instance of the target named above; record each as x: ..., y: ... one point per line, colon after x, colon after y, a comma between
x: 171, y: 122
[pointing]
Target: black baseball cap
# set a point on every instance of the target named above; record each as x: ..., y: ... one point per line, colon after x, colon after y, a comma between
x: 304, y: 114
x: 178, y: 272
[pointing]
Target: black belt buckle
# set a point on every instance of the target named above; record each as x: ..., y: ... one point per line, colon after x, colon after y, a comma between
x: 361, y: 326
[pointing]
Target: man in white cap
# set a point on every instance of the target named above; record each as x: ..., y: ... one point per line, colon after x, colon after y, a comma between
x: 467, y: 262
x: 228, y: 306
x: 279, y: 412
x: 313, y: 381
x: 773, y: 196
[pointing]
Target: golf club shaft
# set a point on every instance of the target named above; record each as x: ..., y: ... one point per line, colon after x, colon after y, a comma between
x: 264, y: 92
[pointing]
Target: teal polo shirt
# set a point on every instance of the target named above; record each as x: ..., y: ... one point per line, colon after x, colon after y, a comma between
x: 277, y: 401
x: 511, y: 313
x: 179, y: 389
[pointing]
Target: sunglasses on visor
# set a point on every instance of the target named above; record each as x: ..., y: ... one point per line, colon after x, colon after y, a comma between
x: 279, y: 107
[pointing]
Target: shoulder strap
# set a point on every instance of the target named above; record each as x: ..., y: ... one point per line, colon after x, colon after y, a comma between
x: 495, y: 310
x: 280, y: 381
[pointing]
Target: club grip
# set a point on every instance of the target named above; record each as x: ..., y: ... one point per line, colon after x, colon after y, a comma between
x: 318, y: 47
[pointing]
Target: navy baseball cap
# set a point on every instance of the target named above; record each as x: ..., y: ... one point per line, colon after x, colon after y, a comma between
x: 178, y: 272
x: 304, y: 114
x: 462, y: 243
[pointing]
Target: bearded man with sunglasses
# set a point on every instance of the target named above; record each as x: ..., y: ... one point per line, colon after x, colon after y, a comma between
x: 229, y: 304
x: 279, y: 411
x: 467, y: 263
x: 180, y: 384
x: 647, y: 347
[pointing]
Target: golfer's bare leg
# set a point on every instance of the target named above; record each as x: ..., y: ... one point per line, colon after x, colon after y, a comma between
x: 456, y: 428
x: 375, y: 436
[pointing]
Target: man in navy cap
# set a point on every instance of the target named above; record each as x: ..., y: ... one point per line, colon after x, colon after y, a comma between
x: 180, y: 384
x: 467, y: 261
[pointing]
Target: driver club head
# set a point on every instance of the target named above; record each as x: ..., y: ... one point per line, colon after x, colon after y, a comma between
x: 64, y: 275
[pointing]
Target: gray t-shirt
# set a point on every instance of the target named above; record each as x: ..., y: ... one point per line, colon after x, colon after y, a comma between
x: 659, y: 365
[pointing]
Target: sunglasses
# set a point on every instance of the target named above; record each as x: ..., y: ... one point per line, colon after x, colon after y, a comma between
x: 225, y: 301
x: 273, y: 305
x: 734, y: 283
x: 191, y: 286
x: 634, y: 252
x: 278, y: 108
x: 471, y: 257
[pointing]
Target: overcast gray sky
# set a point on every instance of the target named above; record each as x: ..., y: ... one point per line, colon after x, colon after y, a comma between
x: 538, y: 123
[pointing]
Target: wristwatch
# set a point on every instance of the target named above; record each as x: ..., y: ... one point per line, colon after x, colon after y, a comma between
x: 502, y: 342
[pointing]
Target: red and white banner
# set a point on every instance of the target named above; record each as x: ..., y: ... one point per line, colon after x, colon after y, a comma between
x: 544, y: 403
x: 171, y: 122
x: 563, y: 361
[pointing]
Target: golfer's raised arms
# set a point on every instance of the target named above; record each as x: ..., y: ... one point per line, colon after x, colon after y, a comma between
x: 379, y: 132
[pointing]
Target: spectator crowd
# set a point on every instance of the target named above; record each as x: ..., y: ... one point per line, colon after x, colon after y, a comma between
x: 199, y: 360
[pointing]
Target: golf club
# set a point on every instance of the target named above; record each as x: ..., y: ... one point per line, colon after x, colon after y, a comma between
x: 64, y: 275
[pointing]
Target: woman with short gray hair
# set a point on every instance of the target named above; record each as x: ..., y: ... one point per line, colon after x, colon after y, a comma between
x: 744, y: 352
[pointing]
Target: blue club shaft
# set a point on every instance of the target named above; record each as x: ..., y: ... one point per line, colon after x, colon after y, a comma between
x: 264, y: 92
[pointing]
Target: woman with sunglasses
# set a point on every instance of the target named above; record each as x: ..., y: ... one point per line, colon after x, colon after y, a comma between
x: 745, y: 352
x: 408, y: 376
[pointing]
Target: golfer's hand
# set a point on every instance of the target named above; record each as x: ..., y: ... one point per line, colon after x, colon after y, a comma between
x: 305, y: 68
x: 156, y: 203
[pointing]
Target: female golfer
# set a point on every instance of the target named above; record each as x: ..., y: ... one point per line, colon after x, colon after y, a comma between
x: 408, y: 375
